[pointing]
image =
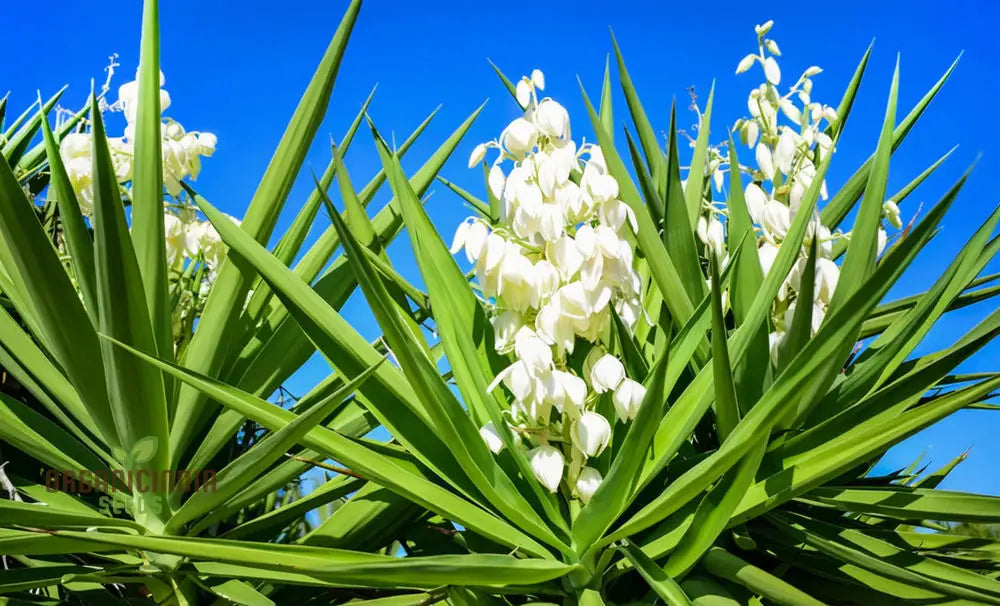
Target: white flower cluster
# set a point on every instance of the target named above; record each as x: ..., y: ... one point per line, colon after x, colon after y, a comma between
x: 182, y: 151
x: 551, y: 268
x: 788, y: 133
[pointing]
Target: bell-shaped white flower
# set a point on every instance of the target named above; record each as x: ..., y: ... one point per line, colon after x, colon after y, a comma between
x: 552, y: 119
x: 710, y: 232
x: 827, y: 275
x: 777, y: 218
x: 628, y: 398
x: 766, y: 254
x: 565, y: 390
x: 519, y: 137
x: 478, y: 153
x: 517, y: 378
x: 752, y: 132
x: 531, y: 350
x: 607, y: 373
x: 547, y: 464
x: 554, y: 327
x: 756, y: 199
x: 492, y: 438
x: 784, y: 153
x: 505, y: 329
x: 764, y: 160
x: 496, y: 181
x: 587, y: 483
x: 565, y: 256
x: 891, y: 211
x: 775, y: 341
x: 771, y: 71
x: 173, y: 229
x: 591, y: 433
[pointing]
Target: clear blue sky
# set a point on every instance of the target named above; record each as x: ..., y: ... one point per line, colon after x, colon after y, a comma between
x: 239, y: 74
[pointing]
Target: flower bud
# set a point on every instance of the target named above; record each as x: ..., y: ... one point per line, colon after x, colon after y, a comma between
x: 771, y: 71
x: 591, y: 433
x: 477, y: 155
x: 756, y: 200
x: 777, y: 218
x: 764, y: 28
x: 606, y: 374
x: 505, y: 329
x: 538, y: 79
x: 784, y: 153
x: 891, y: 211
x: 753, y: 131
x: 587, y: 483
x: 772, y: 47
x: 547, y: 464
x: 883, y: 239
x: 531, y: 350
x: 746, y: 63
x: 491, y: 436
x: 813, y: 71
x: 628, y: 398
x: 764, y: 161
x: 775, y: 341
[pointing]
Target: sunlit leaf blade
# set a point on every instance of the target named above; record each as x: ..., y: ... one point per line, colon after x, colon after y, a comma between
x: 206, y: 351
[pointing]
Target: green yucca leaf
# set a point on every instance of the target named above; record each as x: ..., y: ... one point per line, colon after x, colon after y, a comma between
x: 775, y: 402
x: 649, y: 189
x: 727, y: 406
x: 660, y: 582
x: 344, y: 566
x: 483, y: 208
x: 291, y: 241
x: 820, y: 536
x: 361, y: 458
x: 724, y: 565
x: 50, y: 302
x: 31, y: 366
x: 852, y: 447
x: 469, y: 354
x: 662, y: 268
x: 35, y: 434
x: 18, y: 137
x: 282, y: 346
x: 909, y: 503
x: 206, y: 351
x: 37, y: 516
x: 235, y: 591
x: 265, y: 525
x: 801, y: 329
x: 694, y: 188
x: 148, y: 232
x: 78, y: 241
x: 606, y: 110
x: 446, y: 416
x: 840, y: 205
x: 679, y: 218
x: 245, y: 468
x: 748, y: 277
x: 647, y: 137
x: 123, y: 314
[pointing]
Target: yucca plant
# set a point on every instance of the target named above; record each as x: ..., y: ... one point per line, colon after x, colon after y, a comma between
x: 637, y: 394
